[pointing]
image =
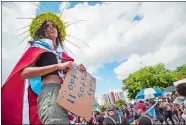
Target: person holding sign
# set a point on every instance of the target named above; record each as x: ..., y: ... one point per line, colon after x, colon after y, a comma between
x: 43, y: 66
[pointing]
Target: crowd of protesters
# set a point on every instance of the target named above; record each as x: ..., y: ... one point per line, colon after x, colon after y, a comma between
x: 168, y: 109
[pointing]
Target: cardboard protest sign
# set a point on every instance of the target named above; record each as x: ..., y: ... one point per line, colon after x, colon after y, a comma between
x: 77, y: 93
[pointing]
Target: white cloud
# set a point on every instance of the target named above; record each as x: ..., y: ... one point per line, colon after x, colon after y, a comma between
x: 168, y: 56
x: 98, y: 78
x: 10, y: 25
x: 111, y: 34
x: 158, y: 37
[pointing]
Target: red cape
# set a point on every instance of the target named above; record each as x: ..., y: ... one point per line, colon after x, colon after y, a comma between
x: 13, y: 91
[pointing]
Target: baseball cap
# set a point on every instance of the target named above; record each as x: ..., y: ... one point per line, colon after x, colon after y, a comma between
x: 140, y: 106
x: 111, y: 107
x: 179, y: 100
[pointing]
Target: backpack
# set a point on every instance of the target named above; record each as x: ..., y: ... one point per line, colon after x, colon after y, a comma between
x: 153, y: 120
x: 115, y: 122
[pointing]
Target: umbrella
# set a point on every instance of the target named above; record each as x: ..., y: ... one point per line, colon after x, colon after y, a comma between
x: 179, y: 82
x: 149, y: 93
x: 169, y: 89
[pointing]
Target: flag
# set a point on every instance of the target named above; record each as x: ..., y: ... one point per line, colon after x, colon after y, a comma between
x: 152, y: 112
x: 13, y: 92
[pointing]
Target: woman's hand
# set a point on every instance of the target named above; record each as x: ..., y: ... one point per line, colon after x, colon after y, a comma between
x: 81, y: 68
x: 66, y: 65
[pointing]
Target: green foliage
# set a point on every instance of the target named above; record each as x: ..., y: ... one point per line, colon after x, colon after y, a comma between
x: 120, y: 102
x: 104, y: 107
x: 149, y: 77
x: 181, y: 71
x: 39, y: 20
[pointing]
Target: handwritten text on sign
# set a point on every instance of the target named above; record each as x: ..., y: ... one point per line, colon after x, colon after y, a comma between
x: 78, y: 93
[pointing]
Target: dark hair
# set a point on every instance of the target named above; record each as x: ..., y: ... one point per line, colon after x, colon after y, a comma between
x: 40, y: 34
x: 141, y: 101
x: 97, y: 113
x: 181, y: 89
x: 125, y: 105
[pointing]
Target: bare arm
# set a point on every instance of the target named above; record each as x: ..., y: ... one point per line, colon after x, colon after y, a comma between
x: 183, y: 111
x: 31, y: 72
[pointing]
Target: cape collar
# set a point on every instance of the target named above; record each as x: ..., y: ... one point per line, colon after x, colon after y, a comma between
x: 51, y: 45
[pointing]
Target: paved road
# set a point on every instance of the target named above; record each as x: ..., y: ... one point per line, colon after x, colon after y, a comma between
x: 174, y: 122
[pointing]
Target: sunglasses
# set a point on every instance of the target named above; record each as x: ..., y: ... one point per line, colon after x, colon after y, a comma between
x: 53, y: 25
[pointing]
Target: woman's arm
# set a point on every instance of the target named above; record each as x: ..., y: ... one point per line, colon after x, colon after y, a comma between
x: 31, y: 72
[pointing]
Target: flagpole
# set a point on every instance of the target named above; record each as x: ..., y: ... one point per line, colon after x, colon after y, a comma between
x: 152, y: 106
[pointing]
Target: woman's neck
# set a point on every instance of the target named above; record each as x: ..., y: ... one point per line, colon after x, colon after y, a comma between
x: 54, y: 42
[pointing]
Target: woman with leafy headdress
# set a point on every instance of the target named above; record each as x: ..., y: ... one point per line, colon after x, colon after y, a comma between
x: 43, y: 66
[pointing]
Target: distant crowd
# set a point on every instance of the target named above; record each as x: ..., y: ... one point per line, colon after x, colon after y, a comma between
x: 165, y: 109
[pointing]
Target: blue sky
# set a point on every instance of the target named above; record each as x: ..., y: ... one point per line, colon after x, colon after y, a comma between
x: 108, y: 79
x: 54, y: 6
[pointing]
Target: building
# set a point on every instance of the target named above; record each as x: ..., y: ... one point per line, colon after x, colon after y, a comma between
x: 120, y: 95
x: 106, y: 98
x: 112, y: 97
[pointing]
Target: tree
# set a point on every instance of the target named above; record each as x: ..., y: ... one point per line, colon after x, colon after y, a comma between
x: 181, y: 71
x: 149, y: 77
x: 120, y: 102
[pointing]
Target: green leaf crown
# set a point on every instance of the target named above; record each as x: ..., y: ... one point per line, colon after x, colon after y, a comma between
x: 40, y: 19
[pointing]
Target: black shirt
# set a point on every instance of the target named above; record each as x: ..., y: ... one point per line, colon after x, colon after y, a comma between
x: 107, y: 121
x: 144, y: 121
x: 100, y: 119
x: 46, y: 59
x: 126, y: 111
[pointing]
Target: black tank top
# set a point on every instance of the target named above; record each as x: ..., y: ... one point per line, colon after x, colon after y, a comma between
x: 46, y: 59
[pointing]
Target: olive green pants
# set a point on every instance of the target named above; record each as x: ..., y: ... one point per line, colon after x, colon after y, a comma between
x: 48, y: 110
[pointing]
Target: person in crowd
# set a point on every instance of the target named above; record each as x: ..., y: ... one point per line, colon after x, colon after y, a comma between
x: 113, y: 118
x: 147, y: 103
x: 158, y: 111
x: 136, y: 115
x: 177, y: 102
x: 131, y: 113
x: 144, y: 118
x: 119, y: 111
x: 126, y: 111
x: 99, y: 118
x: 83, y: 121
x: 174, y: 115
x: 166, y: 111
x: 181, y: 90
